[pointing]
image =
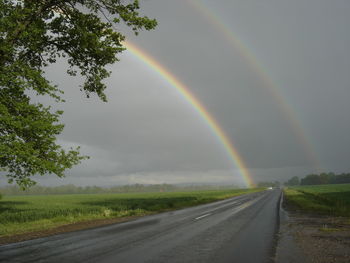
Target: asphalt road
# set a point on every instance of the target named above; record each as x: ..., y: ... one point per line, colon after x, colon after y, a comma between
x: 240, y: 229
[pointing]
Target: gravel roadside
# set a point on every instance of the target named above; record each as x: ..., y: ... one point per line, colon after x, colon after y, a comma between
x: 310, y: 238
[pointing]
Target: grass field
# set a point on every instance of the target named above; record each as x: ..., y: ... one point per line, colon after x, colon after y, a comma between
x: 332, y: 199
x: 21, y: 214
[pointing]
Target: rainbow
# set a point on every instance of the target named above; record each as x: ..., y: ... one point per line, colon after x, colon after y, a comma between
x: 197, y: 105
x: 255, y: 65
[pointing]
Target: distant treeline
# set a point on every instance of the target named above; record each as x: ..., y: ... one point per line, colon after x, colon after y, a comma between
x: 323, y: 178
x: 135, y: 188
x: 269, y: 184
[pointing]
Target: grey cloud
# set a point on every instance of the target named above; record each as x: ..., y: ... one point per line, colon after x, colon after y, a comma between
x: 148, y: 133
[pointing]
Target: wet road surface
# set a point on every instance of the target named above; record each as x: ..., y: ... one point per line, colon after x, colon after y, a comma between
x: 240, y: 229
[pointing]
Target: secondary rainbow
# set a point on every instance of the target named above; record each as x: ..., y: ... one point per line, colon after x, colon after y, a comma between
x: 197, y: 105
x: 256, y: 66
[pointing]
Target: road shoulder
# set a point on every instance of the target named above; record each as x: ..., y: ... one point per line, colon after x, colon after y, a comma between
x: 305, y: 238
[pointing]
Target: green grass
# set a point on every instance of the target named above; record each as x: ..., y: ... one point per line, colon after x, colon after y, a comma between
x: 21, y: 214
x: 333, y: 199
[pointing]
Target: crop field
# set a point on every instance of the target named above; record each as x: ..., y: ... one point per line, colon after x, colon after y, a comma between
x: 21, y: 214
x: 332, y: 199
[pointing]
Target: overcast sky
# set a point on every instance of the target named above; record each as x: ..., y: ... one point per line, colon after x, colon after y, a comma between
x: 147, y: 133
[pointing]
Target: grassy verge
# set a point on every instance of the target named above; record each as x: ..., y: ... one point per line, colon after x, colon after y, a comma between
x: 22, y: 214
x: 333, y: 200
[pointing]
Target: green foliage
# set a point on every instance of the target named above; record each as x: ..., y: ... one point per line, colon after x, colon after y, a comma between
x: 33, y: 35
x: 293, y: 181
x: 325, y: 178
x: 28, y: 213
x: 135, y: 188
x: 324, y: 199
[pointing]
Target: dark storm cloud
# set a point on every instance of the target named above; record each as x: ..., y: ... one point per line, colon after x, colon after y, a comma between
x: 148, y: 133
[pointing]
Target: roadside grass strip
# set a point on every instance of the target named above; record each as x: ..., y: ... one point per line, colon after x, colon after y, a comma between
x: 333, y: 200
x: 23, y: 214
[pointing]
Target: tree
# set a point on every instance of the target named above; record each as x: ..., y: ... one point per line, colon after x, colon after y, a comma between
x: 33, y: 35
x: 311, y: 179
x: 293, y: 181
x: 326, y: 178
x: 341, y: 179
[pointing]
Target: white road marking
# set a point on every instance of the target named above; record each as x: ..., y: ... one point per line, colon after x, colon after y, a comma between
x: 241, y: 206
x: 246, y: 204
x: 225, y: 205
x: 202, y: 216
